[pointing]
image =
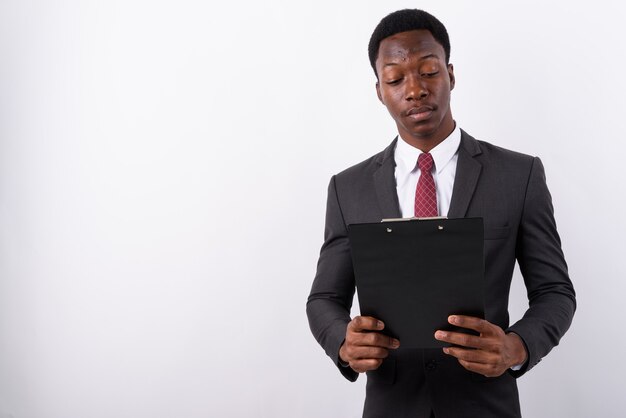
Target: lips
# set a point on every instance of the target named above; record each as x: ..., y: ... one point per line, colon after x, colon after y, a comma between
x: 419, y: 113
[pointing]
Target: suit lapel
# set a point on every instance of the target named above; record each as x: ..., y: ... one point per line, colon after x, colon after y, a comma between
x: 385, y: 184
x: 465, y: 180
x: 466, y: 177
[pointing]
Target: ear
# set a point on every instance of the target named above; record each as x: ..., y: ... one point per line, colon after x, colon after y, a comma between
x: 451, y: 75
x: 380, y: 97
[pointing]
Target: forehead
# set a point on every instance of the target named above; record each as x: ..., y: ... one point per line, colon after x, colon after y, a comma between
x: 404, y: 45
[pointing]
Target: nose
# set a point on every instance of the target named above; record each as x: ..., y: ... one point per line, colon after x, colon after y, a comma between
x: 416, y: 89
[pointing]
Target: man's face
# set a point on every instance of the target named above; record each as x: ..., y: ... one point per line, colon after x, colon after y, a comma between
x: 414, y: 83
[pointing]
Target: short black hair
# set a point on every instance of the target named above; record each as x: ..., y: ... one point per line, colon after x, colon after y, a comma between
x: 403, y: 21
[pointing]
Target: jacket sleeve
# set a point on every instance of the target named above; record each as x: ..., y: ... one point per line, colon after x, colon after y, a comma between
x: 551, y: 296
x: 330, y: 300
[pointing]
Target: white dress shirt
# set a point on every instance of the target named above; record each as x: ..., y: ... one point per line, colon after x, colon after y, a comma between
x: 445, y: 156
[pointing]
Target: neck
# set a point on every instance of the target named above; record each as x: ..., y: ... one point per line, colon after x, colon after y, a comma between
x: 425, y: 143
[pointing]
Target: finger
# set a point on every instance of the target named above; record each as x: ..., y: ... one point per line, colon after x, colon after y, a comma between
x: 460, y: 338
x: 366, y: 352
x: 365, y: 365
x: 355, y: 352
x: 365, y: 323
x: 469, y: 355
x: 471, y: 322
x: 487, y: 370
x: 375, y: 339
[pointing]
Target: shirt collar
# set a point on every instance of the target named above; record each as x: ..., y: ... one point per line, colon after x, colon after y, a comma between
x: 406, y: 155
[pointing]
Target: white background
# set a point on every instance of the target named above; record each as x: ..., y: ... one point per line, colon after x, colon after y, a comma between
x: 163, y: 174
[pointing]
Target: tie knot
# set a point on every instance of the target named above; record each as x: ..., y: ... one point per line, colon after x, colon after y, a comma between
x: 425, y: 162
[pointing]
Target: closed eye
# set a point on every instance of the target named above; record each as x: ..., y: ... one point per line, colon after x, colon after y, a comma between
x: 392, y: 82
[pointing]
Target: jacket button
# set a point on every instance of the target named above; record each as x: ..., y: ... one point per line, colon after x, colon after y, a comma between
x: 431, y: 365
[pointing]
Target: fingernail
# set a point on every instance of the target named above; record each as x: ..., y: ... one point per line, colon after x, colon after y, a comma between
x: 445, y: 350
x: 380, y: 325
x: 395, y: 343
x: 453, y: 319
x: 440, y: 334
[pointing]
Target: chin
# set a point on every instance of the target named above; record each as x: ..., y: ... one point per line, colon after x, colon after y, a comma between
x: 423, y: 134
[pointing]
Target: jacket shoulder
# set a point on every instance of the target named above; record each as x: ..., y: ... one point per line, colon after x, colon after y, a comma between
x: 497, y: 152
x: 501, y: 164
x: 494, y: 155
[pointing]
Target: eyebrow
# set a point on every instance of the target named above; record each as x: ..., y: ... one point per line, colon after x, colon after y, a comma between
x: 422, y: 58
x: 429, y: 56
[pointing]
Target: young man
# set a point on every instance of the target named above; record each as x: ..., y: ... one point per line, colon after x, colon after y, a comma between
x: 434, y: 168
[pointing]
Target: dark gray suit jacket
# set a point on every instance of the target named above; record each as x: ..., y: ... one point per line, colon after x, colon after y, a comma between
x: 508, y: 190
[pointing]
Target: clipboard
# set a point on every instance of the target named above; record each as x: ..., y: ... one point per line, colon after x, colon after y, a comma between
x: 412, y: 273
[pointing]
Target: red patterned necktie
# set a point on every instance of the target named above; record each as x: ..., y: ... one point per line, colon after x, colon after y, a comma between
x: 425, y: 195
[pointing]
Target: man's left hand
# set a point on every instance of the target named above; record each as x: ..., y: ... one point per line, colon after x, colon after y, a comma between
x: 491, y: 353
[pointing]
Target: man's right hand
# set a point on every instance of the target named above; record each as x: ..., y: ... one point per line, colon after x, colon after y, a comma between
x: 364, y: 348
